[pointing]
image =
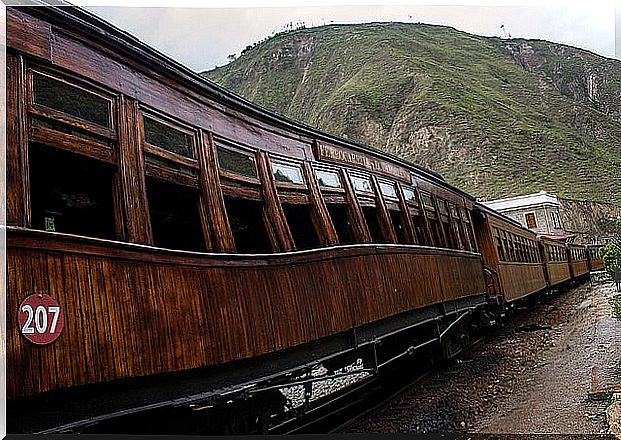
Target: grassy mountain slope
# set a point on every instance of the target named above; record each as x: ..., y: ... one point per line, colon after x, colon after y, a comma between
x: 495, y: 117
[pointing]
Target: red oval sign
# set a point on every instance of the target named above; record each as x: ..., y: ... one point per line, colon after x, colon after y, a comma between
x: 40, y: 319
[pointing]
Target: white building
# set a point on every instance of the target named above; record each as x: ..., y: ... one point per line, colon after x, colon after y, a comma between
x: 538, y: 212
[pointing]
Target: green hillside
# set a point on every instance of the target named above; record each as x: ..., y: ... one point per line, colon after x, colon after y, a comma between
x: 495, y: 117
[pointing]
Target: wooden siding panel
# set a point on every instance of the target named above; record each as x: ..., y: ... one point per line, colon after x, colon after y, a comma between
x: 521, y: 279
x: 558, y: 272
x: 154, y: 313
x: 28, y: 34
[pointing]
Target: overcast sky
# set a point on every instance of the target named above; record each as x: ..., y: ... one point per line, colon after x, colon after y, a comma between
x: 202, y: 38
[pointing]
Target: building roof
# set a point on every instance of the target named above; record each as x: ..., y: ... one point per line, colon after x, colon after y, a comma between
x: 529, y: 200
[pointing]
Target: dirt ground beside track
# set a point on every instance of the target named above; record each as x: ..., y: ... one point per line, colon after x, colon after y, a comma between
x: 533, y: 382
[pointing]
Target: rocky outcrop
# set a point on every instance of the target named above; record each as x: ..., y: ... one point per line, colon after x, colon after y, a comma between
x: 591, y: 222
x: 613, y: 414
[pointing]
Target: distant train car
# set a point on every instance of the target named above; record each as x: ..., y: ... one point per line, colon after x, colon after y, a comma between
x: 578, y: 260
x: 595, y: 261
x: 556, y: 261
x: 511, y: 252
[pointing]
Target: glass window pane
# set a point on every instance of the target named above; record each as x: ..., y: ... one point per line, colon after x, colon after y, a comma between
x: 236, y: 162
x: 167, y: 138
x: 287, y: 173
x: 361, y: 184
x: 71, y: 100
x: 442, y: 207
x: 409, y: 195
x: 426, y: 198
x: 388, y: 190
x: 328, y: 179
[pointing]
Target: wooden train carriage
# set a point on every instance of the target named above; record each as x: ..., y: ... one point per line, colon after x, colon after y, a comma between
x: 511, y: 252
x: 595, y: 261
x: 578, y: 260
x: 162, y: 213
x: 556, y: 260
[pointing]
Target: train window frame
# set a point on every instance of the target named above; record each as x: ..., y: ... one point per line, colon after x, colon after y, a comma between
x: 423, y: 197
x: 221, y: 144
x: 331, y: 171
x: 388, y: 189
x: 443, y: 208
x: 277, y: 161
x: 236, y: 185
x: 359, y: 177
x: 106, y: 191
x: 409, y: 200
x: 165, y: 165
x: 75, y: 82
x: 168, y: 121
x: 64, y: 131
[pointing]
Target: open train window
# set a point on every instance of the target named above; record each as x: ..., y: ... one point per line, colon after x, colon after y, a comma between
x: 499, y: 246
x: 71, y: 193
x: 448, y: 233
x: 175, y: 217
x: 247, y: 226
x: 342, y: 224
x: 420, y: 229
x: 371, y: 217
x: 300, y: 221
x: 397, y: 224
x: 434, y: 224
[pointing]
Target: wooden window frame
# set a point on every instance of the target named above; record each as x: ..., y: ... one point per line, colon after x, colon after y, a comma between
x: 104, y: 150
x: 243, y: 187
x: 395, y: 198
x: 166, y: 172
x: 413, y: 201
x: 71, y: 80
x: 278, y: 159
x: 329, y: 189
x: 357, y: 192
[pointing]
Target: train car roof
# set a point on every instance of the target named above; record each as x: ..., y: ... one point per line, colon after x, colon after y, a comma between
x: 69, y: 16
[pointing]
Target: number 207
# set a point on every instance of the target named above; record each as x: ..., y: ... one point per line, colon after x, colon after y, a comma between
x: 40, y: 318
